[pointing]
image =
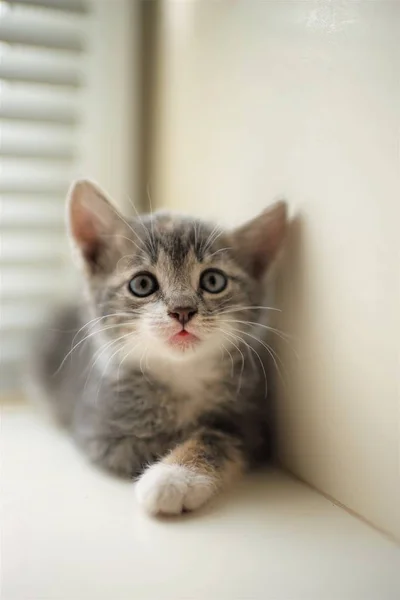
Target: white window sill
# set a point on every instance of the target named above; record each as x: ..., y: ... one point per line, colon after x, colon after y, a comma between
x: 72, y: 533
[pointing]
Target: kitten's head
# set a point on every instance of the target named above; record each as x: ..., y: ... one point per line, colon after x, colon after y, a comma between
x: 168, y: 286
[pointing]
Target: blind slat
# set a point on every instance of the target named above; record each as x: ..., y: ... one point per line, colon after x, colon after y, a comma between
x: 20, y: 212
x: 39, y: 282
x: 44, y: 247
x: 41, y: 112
x: 21, y: 69
x: 35, y: 178
x: 30, y: 140
x: 73, y: 6
x: 30, y: 186
x: 18, y: 149
x: 18, y: 29
x: 21, y: 315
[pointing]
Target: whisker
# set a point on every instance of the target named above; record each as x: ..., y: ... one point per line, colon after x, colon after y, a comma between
x: 270, y: 351
x: 122, y: 361
x: 142, y: 224
x: 242, y: 356
x: 118, y: 314
x: 212, y: 238
x: 121, y: 259
x: 220, y: 250
x: 195, y: 235
x: 231, y: 357
x: 141, y: 361
x: 86, y: 338
x: 107, y: 363
x: 242, y: 367
x: 235, y: 336
x: 113, y: 235
x: 100, y: 352
x: 239, y: 308
x: 151, y: 212
x: 126, y: 223
x: 204, y: 244
x: 284, y: 336
x: 147, y: 359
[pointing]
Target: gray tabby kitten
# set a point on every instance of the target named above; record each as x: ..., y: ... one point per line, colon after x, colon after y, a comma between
x: 157, y: 374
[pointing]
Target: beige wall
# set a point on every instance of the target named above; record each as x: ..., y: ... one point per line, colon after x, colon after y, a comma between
x: 261, y: 99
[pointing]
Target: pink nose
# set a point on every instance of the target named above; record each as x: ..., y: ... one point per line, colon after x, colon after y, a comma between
x: 183, y: 314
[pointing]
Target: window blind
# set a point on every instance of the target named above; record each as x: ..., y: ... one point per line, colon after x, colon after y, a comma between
x: 43, y: 77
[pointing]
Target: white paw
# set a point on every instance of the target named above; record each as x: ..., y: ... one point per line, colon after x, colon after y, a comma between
x: 170, y: 489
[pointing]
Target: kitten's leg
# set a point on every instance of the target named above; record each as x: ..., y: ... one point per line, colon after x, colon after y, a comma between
x: 191, y: 473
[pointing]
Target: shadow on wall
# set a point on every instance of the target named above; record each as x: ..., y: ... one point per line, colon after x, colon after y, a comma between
x: 290, y: 296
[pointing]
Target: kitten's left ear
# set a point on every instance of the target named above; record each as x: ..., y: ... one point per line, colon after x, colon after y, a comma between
x: 258, y: 241
x: 95, y: 225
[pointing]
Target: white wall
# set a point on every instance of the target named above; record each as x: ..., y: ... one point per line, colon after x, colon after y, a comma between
x: 260, y: 99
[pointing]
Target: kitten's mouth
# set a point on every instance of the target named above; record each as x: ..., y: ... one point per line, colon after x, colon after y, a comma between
x: 183, y: 339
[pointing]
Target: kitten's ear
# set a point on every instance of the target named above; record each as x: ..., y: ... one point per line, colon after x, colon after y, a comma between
x: 258, y: 241
x: 94, y: 224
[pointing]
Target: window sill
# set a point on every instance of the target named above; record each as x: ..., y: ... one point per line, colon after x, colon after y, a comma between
x: 69, y: 531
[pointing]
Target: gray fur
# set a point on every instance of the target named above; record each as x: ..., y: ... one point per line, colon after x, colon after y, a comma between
x: 131, y: 405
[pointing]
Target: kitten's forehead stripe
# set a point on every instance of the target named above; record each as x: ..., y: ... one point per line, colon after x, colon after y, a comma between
x: 176, y: 246
x: 177, y: 237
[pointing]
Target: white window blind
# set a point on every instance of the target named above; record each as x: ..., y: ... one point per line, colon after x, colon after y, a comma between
x: 43, y: 79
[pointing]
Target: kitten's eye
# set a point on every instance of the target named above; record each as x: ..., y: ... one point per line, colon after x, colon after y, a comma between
x: 143, y: 284
x: 213, y: 281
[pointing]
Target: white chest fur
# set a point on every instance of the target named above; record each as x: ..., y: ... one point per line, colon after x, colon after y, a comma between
x: 193, y: 381
x: 189, y: 377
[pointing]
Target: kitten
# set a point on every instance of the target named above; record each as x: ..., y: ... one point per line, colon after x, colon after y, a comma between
x: 157, y: 373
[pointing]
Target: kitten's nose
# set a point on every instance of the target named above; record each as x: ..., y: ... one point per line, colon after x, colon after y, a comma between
x: 183, y: 314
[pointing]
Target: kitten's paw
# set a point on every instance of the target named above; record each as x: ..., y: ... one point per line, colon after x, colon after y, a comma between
x: 171, y: 489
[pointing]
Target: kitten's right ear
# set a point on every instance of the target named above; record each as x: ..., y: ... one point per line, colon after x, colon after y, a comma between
x: 259, y: 240
x: 94, y: 224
